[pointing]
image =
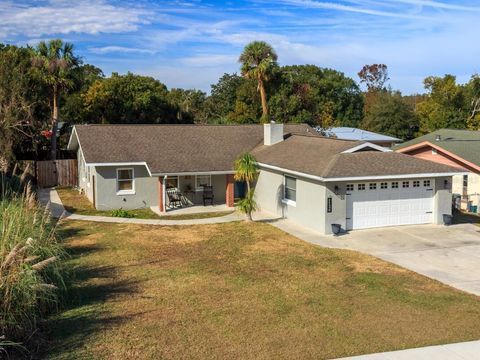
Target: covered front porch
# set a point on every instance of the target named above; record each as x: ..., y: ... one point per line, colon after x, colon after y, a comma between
x: 196, y: 192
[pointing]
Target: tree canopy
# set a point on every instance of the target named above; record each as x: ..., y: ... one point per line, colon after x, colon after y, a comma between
x: 259, y: 62
x: 129, y: 99
x: 321, y: 97
x: 391, y: 115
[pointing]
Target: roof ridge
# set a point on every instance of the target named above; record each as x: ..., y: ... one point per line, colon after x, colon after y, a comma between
x: 320, y: 136
x: 195, y: 125
x: 330, y: 165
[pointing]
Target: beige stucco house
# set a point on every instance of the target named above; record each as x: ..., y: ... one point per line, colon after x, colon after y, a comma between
x: 312, y: 180
x: 456, y: 148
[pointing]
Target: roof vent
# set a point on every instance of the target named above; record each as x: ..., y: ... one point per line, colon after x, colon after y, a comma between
x: 438, y: 137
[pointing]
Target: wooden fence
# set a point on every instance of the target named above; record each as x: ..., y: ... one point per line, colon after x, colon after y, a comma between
x: 57, y: 173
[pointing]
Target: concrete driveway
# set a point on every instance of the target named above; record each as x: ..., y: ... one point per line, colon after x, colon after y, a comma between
x: 448, y: 254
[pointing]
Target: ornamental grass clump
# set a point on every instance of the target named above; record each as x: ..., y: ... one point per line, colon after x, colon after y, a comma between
x: 30, y: 266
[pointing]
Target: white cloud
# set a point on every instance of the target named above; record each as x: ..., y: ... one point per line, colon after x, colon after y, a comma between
x: 439, y: 5
x: 118, y: 49
x: 207, y: 60
x: 64, y: 17
x: 347, y: 8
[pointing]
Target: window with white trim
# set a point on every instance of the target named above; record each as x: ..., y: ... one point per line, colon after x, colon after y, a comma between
x: 125, y: 181
x: 290, y: 188
x: 361, y: 187
x: 372, y: 186
x: 383, y: 185
x: 426, y: 183
x: 416, y: 183
x: 395, y: 185
x: 350, y: 187
x: 202, y: 180
x: 406, y: 184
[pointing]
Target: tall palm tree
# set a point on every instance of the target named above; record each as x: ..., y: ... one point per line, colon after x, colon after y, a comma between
x: 55, y: 59
x: 259, y: 62
x: 246, y: 170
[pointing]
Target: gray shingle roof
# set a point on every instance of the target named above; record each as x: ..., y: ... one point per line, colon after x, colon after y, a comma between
x: 463, y: 143
x: 323, y: 157
x: 169, y: 149
x: 174, y: 148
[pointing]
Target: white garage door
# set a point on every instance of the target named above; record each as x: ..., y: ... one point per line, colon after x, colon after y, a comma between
x: 377, y: 204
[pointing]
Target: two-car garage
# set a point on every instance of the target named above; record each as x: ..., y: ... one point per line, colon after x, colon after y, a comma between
x: 389, y: 203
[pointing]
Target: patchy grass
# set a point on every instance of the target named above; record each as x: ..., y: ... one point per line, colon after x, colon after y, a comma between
x: 76, y: 203
x: 241, y: 290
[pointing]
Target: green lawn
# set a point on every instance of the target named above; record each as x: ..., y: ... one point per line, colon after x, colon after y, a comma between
x: 76, y: 203
x: 240, y: 290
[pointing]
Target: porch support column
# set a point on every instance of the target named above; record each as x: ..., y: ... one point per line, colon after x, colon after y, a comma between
x: 161, y: 194
x: 230, y: 195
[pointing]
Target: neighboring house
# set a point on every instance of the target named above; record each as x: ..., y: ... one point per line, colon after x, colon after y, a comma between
x: 457, y: 148
x: 312, y: 180
x: 348, y: 133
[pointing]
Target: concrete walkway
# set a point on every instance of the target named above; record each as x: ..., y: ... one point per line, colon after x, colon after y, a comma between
x: 460, y: 351
x: 50, y: 199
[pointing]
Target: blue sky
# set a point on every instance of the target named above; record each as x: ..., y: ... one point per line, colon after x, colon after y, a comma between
x: 191, y: 43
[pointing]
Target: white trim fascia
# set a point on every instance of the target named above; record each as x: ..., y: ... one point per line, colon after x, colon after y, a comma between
x: 291, y: 172
x: 74, y: 130
x: 387, y: 177
x: 121, y: 164
x: 364, y: 145
x: 192, y: 173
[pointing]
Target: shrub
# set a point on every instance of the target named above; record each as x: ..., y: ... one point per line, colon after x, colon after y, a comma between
x: 121, y: 213
x: 30, y: 266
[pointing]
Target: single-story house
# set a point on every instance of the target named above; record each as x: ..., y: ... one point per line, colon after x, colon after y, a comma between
x: 457, y: 148
x: 349, y: 133
x: 313, y: 180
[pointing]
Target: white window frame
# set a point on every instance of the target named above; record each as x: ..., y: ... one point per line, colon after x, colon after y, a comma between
x: 395, y: 185
x: 126, y: 192
x: 350, y: 187
x: 383, y: 185
x: 426, y: 183
x: 284, y: 199
x: 197, y: 188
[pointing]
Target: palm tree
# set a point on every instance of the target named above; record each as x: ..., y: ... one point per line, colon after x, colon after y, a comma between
x: 55, y: 59
x: 246, y: 170
x: 259, y: 62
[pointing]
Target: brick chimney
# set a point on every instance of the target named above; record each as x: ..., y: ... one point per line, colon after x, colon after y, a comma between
x: 272, y: 133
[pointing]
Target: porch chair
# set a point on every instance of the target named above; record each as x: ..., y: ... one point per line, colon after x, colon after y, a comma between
x: 174, y: 198
x: 207, y: 194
